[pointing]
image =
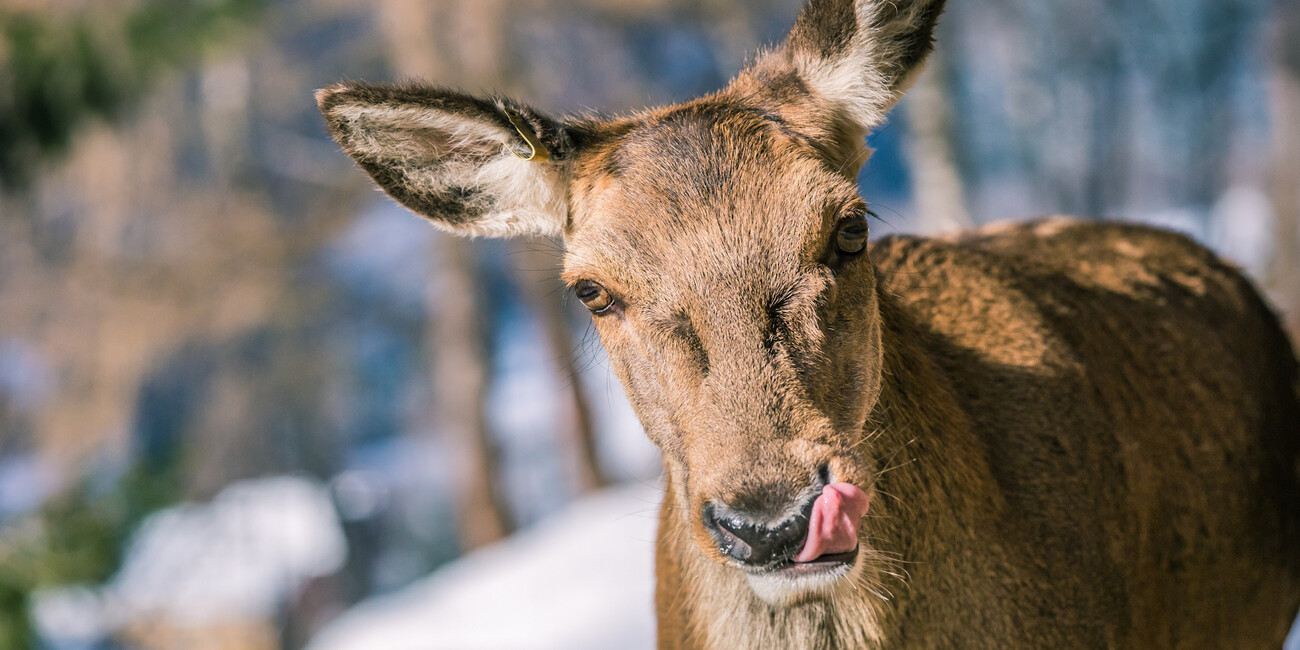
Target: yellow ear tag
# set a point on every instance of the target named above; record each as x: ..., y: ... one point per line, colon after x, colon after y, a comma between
x: 539, y: 150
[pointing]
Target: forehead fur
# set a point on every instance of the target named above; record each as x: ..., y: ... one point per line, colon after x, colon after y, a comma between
x: 700, y: 192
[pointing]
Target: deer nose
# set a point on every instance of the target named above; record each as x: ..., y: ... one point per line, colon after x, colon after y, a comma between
x: 757, y: 541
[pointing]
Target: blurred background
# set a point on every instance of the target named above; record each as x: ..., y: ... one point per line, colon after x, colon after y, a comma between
x: 247, y: 402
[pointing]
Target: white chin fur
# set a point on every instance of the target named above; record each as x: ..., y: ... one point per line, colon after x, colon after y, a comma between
x: 780, y: 590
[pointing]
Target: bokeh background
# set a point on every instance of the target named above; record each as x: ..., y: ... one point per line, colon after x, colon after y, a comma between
x: 247, y: 402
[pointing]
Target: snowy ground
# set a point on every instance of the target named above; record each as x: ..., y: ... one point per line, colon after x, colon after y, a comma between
x: 230, y: 562
x: 582, y: 579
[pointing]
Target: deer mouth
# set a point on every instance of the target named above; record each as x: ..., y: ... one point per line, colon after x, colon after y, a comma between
x: 830, y: 563
x: 833, y: 524
x: 828, y: 555
x: 792, y: 582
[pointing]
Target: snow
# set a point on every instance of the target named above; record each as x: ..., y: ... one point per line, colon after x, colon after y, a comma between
x: 1241, y: 228
x: 26, y: 481
x: 580, y: 579
x: 236, y: 559
x: 26, y: 379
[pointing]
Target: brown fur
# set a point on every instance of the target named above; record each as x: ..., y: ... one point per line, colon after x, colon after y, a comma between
x: 1092, y: 436
x: 1072, y: 434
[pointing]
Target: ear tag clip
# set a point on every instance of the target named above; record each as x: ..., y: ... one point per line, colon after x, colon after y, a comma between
x: 539, y: 152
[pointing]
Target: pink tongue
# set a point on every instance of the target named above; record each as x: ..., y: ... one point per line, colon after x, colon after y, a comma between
x: 833, y: 527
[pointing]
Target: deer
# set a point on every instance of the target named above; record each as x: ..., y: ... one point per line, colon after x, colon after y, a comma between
x: 1056, y: 433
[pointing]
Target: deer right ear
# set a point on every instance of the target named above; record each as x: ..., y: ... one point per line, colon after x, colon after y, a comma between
x: 473, y: 166
x: 856, y: 57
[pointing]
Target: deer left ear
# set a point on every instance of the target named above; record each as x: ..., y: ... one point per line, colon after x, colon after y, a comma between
x: 474, y: 166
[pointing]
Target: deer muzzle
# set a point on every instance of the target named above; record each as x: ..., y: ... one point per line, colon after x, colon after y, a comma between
x: 821, y: 527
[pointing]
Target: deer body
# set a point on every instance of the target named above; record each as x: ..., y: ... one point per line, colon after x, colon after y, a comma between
x: 1055, y: 478
x: 1048, y: 435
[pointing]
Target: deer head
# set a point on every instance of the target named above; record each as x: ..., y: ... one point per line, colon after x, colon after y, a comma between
x: 721, y: 247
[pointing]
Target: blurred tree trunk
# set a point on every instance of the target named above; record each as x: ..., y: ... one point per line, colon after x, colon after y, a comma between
x: 476, y: 33
x: 457, y: 342
x: 538, y: 272
x: 931, y: 155
x: 460, y: 375
x: 1284, y: 271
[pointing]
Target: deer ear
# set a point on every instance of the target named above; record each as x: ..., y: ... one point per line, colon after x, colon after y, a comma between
x: 474, y: 166
x: 857, y: 56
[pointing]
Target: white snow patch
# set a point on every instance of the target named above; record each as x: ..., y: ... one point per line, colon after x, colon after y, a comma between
x: 71, y: 616
x: 26, y: 481
x: 1184, y: 219
x: 581, y: 579
x: 236, y: 559
x: 1241, y: 227
x: 26, y: 379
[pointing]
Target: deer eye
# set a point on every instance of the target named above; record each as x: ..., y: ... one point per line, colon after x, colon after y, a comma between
x: 593, y: 296
x: 851, y: 236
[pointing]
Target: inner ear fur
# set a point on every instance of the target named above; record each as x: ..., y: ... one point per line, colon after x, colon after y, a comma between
x: 844, y: 65
x: 454, y: 158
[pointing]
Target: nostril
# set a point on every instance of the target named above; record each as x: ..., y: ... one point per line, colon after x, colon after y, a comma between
x: 725, y: 534
x: 745, y: 531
